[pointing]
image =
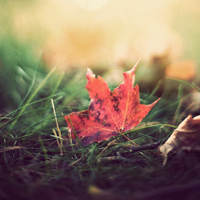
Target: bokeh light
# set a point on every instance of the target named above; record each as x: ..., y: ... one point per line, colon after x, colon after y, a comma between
x: 90, y: 33
x: 91, y: 4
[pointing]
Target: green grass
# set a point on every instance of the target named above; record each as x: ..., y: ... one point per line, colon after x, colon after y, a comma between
x: 34, y: 165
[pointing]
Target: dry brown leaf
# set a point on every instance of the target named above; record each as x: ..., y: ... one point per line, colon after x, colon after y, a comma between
x: 185, y: 137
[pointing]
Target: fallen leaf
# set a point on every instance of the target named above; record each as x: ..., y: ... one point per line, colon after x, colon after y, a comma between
x: 110, y: 113
x: 185, y: 137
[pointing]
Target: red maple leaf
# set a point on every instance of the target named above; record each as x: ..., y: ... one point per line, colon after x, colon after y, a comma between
x: 110, y: 113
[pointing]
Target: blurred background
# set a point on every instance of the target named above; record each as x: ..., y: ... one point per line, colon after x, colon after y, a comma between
x: 105, y: 35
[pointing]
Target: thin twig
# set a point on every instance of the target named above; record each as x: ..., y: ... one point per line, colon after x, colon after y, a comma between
x: 146, y: 147
x: 112, y: 158
x: 120, y: 159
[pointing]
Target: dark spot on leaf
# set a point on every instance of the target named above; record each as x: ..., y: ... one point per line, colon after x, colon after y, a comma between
x: 84, y: 116
x: 99, y: 101
x: 97, y: 117
x: 114, y: 98
x: 91, y: 107
x: 116, y: 107
x: 106, y: 124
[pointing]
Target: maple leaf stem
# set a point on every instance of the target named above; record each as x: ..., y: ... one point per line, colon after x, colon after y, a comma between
x: 130, y: 140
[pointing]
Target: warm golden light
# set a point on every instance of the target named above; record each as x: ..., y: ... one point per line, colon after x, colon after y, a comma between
x: 91, y: 4
x: 107, y: 33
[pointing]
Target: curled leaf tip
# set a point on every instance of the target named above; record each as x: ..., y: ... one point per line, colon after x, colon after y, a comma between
x: 136, y: 64
x: 89, y: 73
